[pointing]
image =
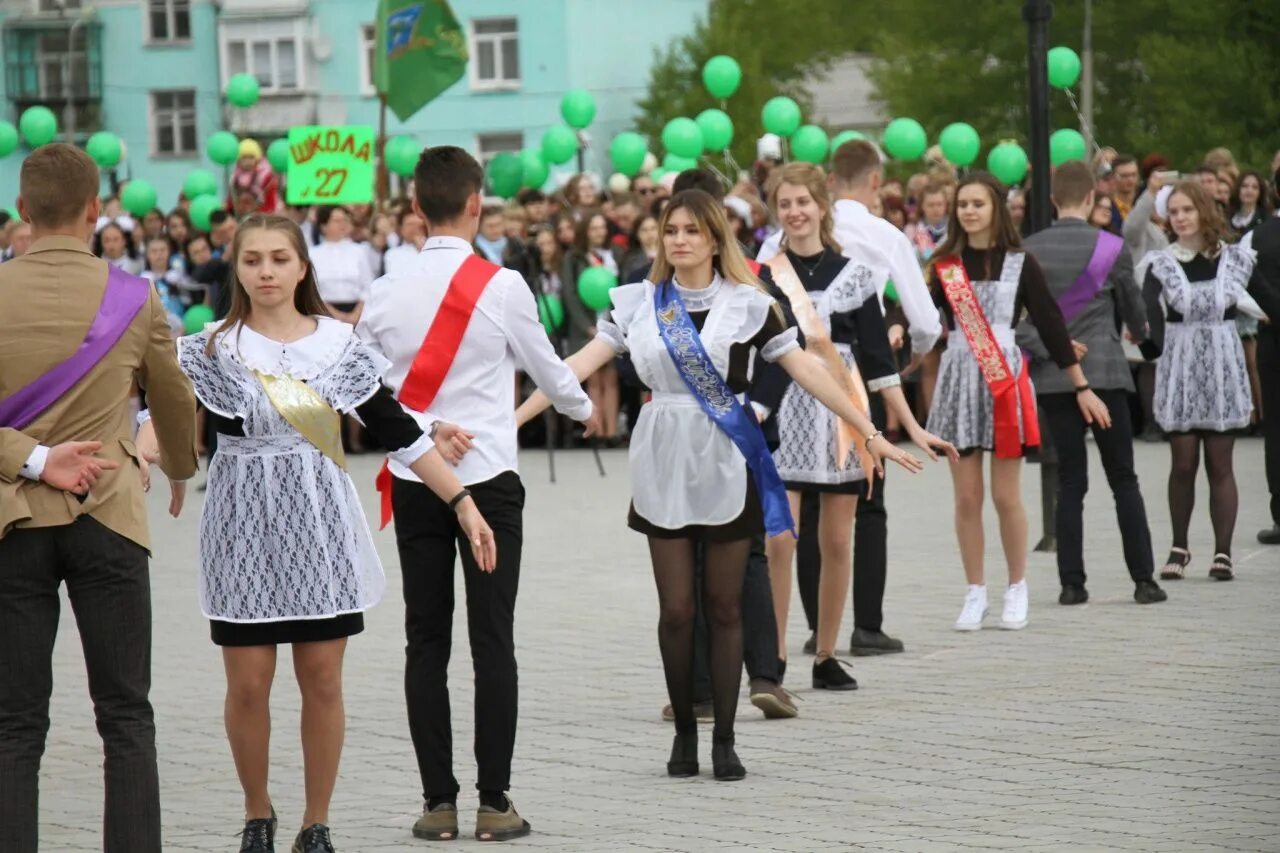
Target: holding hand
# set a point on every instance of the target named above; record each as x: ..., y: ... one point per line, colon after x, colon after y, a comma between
x: 72, y: 466
x: 1081, y: 350
x: 452, y: 441
x: 594, y: 424
x: 896, y: 336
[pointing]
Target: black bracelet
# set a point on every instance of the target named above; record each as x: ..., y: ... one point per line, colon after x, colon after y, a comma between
x: 458, y: 498
x: 1082, y: 388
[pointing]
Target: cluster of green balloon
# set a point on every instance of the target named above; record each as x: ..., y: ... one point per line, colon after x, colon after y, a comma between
x: 809, y: 144
x: 202, y: 209
x: 960, y: 143
x: 1066, y: 144
x: 551, y: 312
x: 196, y: 318
x: 1008, y: 162
x: 717, y: 129
x: 722, y: 75
x: 242, y: 90
x: 8, y: 138
x: 401, y: 154
x: 506, y: 174
x: 278, y: 155
x: 223, y: 148
x: 534, y: 165
x: 39, y: 126
x: 198, y: 183
x: 1064, y: 67
x: 683, y: 137
x: 559, y: 144
x: 905, y: 139
x: 594, y: 285
x: 780, y: 115
x: 138, y: 197
x: 578, y: 108
x: 627, y: 152
x: 105, y: 148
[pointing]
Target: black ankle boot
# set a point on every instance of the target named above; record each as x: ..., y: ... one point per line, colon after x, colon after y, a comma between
x: 724, y: 760
x: 684, y: 755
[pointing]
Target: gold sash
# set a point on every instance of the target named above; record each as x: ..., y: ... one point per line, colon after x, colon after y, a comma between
x: 307, y: 412
x: 818, y: 340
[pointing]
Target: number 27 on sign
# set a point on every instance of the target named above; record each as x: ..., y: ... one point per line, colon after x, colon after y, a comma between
x: 329, y: 183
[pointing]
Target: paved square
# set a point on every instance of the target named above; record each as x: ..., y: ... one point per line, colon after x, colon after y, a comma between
x: 1104, y: 727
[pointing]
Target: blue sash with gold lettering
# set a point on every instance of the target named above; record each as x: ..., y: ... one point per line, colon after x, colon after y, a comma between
x: 717, y: 399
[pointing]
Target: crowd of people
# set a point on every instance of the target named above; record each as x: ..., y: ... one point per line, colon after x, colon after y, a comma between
x: 774, y: 340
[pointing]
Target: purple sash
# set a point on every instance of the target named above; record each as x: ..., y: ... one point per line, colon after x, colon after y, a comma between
x: 122, y: 299
x: 1090, y: 281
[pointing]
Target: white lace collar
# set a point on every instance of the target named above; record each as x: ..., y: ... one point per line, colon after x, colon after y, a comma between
x: 305, y: 358
x: 699, y: 299
x: 1184, y: 255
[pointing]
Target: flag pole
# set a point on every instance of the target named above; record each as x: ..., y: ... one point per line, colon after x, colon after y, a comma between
x: 383, y: 188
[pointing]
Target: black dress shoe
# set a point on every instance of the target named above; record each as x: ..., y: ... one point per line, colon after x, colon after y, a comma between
x: 684, y: 755
x: 1149, y: 592
x: 866, y: 643
x: 724, y: 760
x: 828, y: 675
x: 811, y: 644
x: 1270, y: 535
x: 1072, y: 594
x: 259, y: 835
x: 313, y: 839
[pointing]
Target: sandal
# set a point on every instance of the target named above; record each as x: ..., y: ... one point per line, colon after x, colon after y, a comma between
x: 1175, y: 569
x: 1221, y: 569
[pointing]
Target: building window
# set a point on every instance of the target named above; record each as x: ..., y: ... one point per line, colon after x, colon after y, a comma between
x: 489, y: 145
x: 368, y: 45
x: 36, y: 57
x: 169, y: 20
x: 174, y: 119
x: 57, y: 5
x: 495, y: 52
x: 273, y: 61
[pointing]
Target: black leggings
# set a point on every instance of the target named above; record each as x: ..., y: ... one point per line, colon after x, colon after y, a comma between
x: 1224, y: 499
x: 673, y: 571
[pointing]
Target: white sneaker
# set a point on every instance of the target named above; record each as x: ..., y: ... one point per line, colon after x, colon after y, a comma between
x: 975, y: 609
x: 1014, y: 617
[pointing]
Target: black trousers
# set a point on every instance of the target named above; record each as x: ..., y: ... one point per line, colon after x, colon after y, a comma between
x: 1115, y: 446
x: 110, y: 592
x: 759, y: 625
x: 870, y: 551
x: 1269, y: 374
x: 429, y: 541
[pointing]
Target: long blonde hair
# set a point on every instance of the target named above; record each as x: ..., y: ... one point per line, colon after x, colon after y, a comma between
x: 708, y: 214
x: 813, y: 179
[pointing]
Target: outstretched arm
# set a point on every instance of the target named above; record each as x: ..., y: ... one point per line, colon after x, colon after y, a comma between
x: 896, y: 402
x: 586, y: 361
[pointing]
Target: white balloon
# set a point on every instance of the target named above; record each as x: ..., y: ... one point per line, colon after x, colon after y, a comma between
x: 619, y: 183
x: 650, y: 163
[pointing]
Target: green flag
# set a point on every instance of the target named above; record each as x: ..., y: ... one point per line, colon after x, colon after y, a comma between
x: 420, y: 51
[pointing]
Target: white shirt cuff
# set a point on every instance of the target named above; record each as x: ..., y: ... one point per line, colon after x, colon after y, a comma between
x: 883, y: 382
x: 406, y: 456
x: 762, y: 412
x: 144, y: 416
x: 34, y: 466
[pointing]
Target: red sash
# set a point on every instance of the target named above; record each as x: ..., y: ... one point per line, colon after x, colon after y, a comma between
x: 1008, y: 391
x: 431, y: 364
x: 754, y: 266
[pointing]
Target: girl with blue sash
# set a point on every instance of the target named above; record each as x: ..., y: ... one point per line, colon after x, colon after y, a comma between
x: 701, y: 473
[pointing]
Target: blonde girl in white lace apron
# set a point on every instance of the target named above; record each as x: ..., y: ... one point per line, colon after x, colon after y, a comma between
x: 285, y: 551
x: 690, y: 482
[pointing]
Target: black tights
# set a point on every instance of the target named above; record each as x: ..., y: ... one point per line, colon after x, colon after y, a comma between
x: 1224, y: 499
x: 673, y: 571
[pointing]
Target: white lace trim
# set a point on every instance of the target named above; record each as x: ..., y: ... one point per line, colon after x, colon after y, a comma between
x: 701, y: 298
x: 851, y: 288
x: 883, y: 382
x: 780, y: 345
x: 303, y: 359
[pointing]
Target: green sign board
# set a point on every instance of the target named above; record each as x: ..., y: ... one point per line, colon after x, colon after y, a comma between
x: 331, y: 165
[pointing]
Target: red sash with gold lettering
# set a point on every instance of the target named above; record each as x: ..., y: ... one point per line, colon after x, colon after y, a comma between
x: 1007, y: 390
x: 439, y: 348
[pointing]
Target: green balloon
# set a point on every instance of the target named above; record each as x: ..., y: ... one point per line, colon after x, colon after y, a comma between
x: 780, y: 115
x: 199, y: 183
x: 627, y: 152
x: 809, y: 144
x: 905, y: 139
x: 960, y: 143
x: 716, y: 127
x: 138, y: 197
x: 594, y: 285
x: 676, y: 163
x: 8, y: 138
x: 535, y: 168
x: 551, y: 312
x: 559, y: 144
x: 657, y: 175
x: 13, y: 213
x: 890, y: 290
x: 722, y: 75
x: 845, y: 136
x: 104, y: 148
x: 1008, y: 162
x: 506, y: 174
x: 1064, y: 67
x: 39, y: 126
x: 201, y: 209
x: 223, y: 148
x: 401, y: 154
x: 278, y: 155
x: 196, y: 318
x: 682, y: 136
x: 1066, y: 144
x: 578, y: 108
x: 242, y: 90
